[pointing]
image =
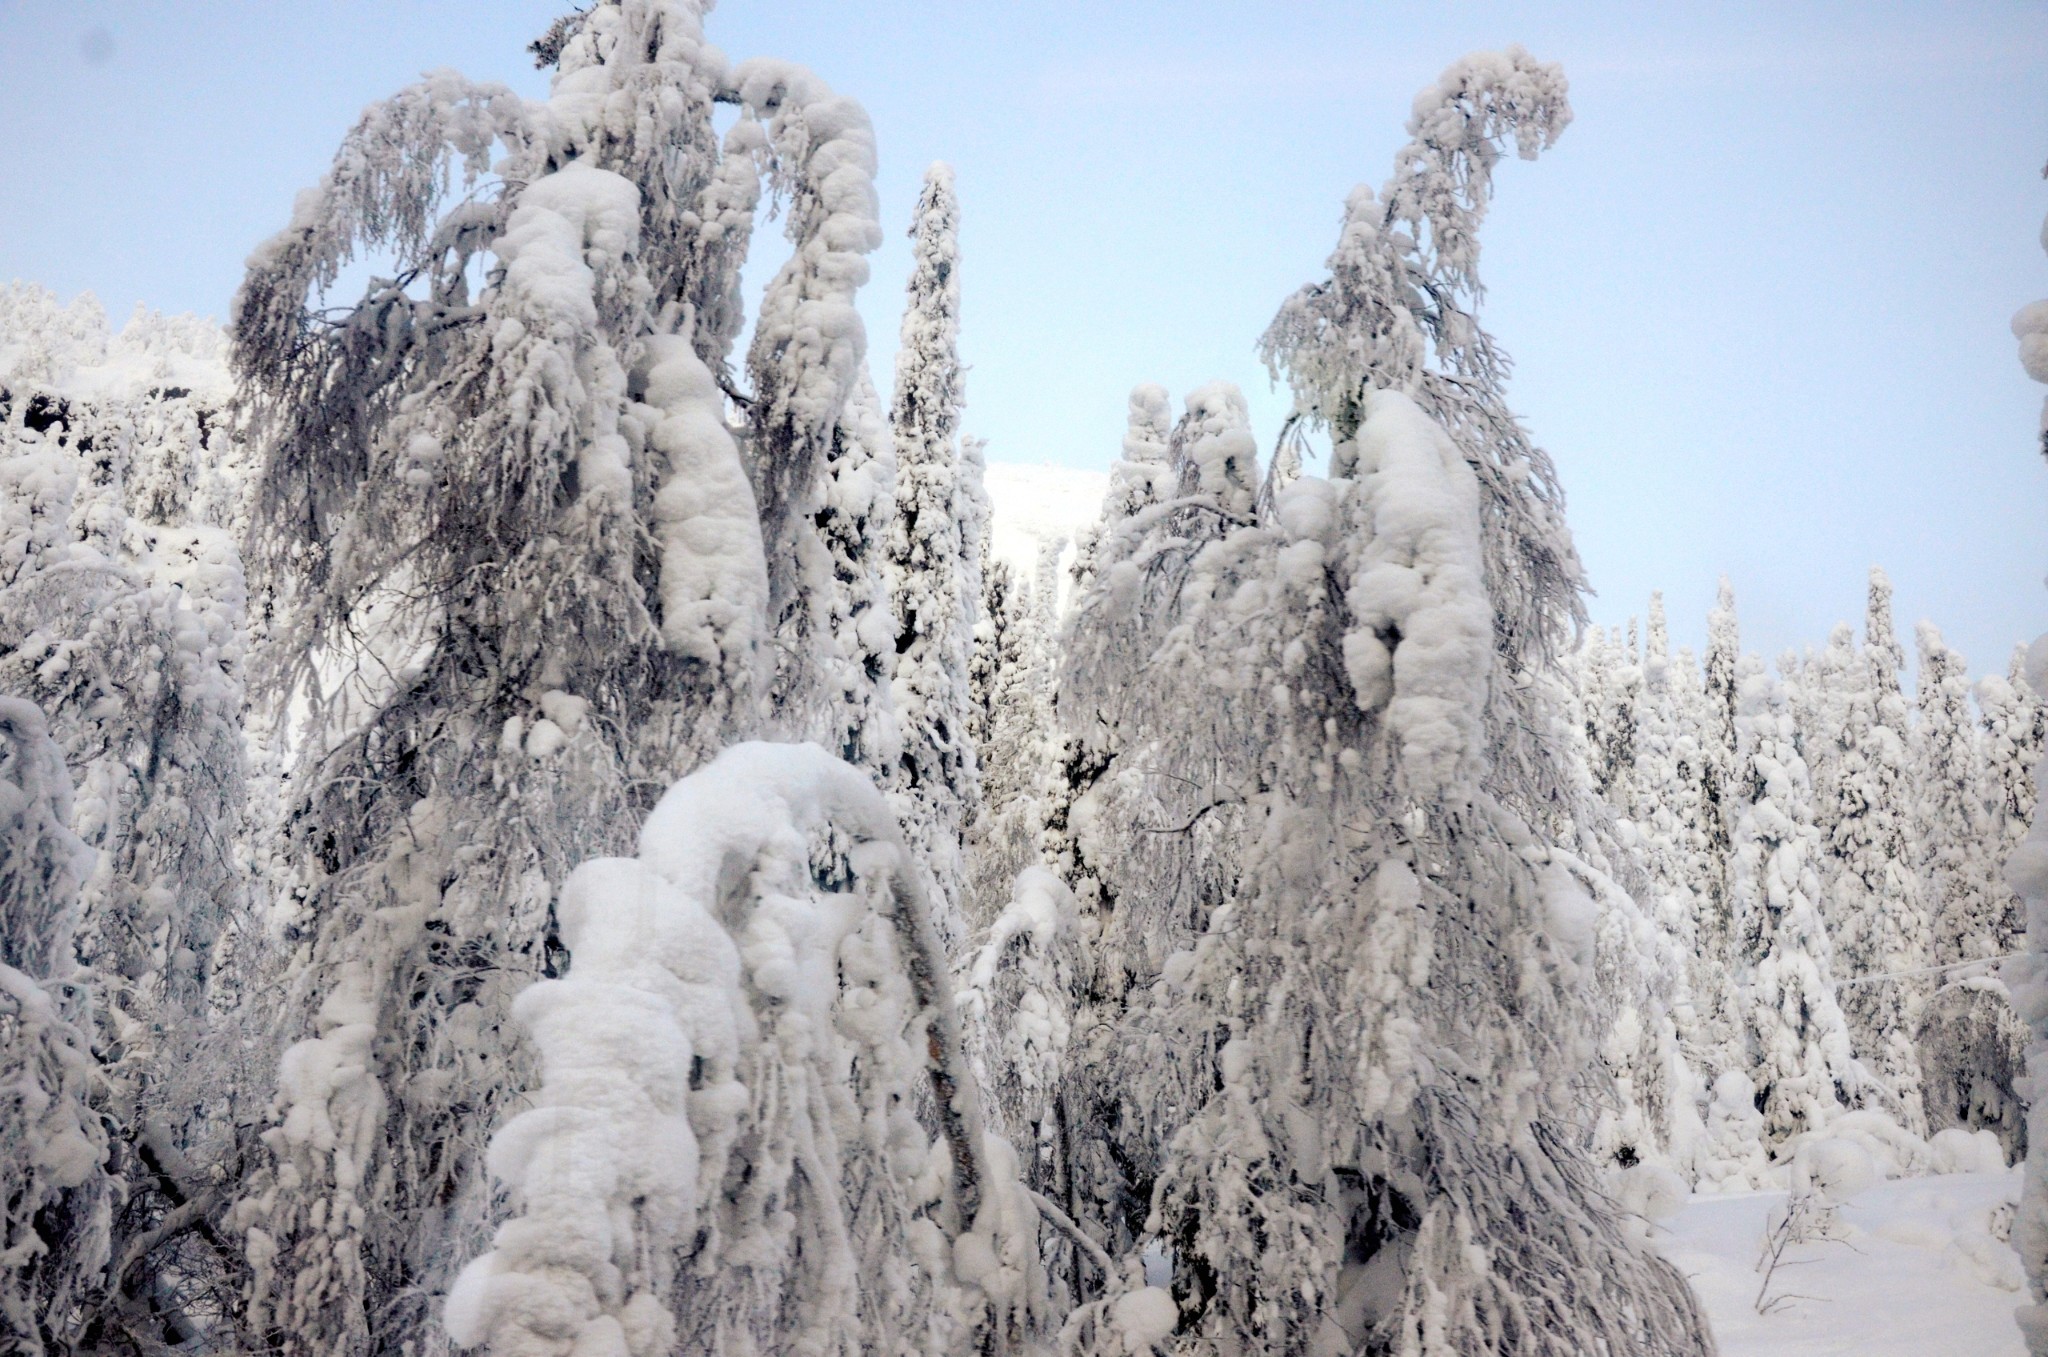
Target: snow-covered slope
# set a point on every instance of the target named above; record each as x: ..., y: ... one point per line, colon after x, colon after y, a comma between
x: 1918, y: 1271
x: 1034, y: 504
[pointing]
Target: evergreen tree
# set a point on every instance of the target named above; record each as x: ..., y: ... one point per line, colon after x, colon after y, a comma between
x: 1874, y: 910
x: 1949, y: 810
x: 1720, y: 756
x: 1817, y: 686
x: 1011, y: 723
x: 931, y: 584
x: 1614, y: 727
x: 839, y: 656
x: 1135, y: 479
x: 1972, y: 1041
x: 2015, y: 728
x: 1666, y: 815
x: 1806, y: 1074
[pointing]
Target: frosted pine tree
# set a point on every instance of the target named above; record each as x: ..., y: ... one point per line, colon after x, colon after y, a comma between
x: 1969, y: 914
x: 1647, y: 1117
x: 1351, y: 674
x: 524, y: 556
x: 1874, y: 911
x: 1720, y: 754
x: 1666, y: 815
x: 1611, y: 694
x: 1013, y: 734
x: 932, y: 586
x: 838, y: 644
x: 1972, y: 1042
x: 1136, y: 479
x: 1817, y: 684
x: 2014, y: 730
x: 2027, y: 873
x: 1805, y: 1071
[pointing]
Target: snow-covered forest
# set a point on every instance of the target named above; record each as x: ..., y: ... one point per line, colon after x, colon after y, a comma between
x: 535, y: 819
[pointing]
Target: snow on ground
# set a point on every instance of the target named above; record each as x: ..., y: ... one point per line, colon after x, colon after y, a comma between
x: 1916, y: 1272
x: 1036, y: 503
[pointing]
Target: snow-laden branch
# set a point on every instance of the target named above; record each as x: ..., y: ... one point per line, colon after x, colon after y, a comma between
x: 721, y: 994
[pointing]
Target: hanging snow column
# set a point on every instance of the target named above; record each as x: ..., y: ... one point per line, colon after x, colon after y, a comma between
x: 56, y: 1194
x: 938, y: 780
x: 520, y: 558
x: 1356, y: 1050
x: 819, y: 451
x: 722, y: 1154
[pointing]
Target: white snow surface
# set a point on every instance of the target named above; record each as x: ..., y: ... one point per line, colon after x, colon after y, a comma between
x: 1037, y: 503
x: 1917, y: 1271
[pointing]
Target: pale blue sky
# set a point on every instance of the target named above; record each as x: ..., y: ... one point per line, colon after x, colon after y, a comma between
x: 1758, y: 294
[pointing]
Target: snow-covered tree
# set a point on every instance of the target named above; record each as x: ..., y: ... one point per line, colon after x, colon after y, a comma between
x: 1714, y: 721
x: 1354, y: 1061
x: 1019, y: 988
x: 1880, y: 930
x: 1011, y: 723
x: 1610, y: 692
x: 2026, y: 871
x: 721, y: 1153
x: 1949, y: 810
x: 121, y: 613
x: 2015, y: 720
x: 932, y: 587
x: 837, y: 648
x: 1666, y: 817
x: 56, y: 1194
x: 1805, y: 1070
x: 1137, y: 478
x: 530, y: 570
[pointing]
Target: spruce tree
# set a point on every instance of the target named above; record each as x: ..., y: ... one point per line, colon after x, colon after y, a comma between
x: 1805, y: 1070
x: 1881, y: 930
x: 930, y: 581
x: 1666, y: 815
x: 1950, y: 811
